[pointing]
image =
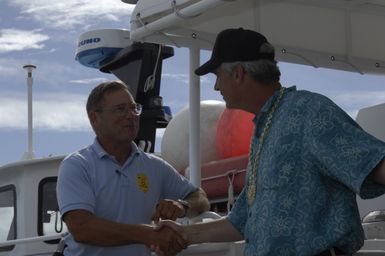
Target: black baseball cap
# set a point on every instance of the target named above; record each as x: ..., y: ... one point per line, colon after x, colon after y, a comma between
x: 236, y: 44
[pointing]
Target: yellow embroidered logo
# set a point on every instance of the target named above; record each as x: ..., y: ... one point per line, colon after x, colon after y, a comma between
x: 142, y: 181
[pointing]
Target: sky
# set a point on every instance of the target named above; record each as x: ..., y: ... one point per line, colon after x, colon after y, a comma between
x: 44, y: 33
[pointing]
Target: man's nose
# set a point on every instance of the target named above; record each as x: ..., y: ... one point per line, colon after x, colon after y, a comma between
x: 216, y: 87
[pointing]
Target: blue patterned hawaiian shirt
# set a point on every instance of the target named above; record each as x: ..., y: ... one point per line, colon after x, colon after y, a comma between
x: 314, y: 161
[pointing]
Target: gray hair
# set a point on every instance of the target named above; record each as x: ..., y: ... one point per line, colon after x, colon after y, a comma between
x: 96, y: 96
x: 263, y: 70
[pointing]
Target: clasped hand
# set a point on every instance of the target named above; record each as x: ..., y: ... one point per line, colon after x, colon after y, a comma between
x: 173, y: 238
x: 168, y: 239
x: 168, y: 210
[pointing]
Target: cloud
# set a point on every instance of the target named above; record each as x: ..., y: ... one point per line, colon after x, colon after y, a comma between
x: 52, y: 50
x: 71, y: 13
x: 8, y: 70
x: 49, y: 75
x: 89, y: 80
x: 183, y: 78
x: 19, y: 40
x: 59, y: 112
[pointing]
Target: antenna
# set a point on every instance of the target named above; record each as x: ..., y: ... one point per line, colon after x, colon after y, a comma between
x: 29, y: 154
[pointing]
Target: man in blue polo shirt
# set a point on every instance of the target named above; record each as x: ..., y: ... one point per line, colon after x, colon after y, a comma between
x: 308, y: 160
x: 110, y: 191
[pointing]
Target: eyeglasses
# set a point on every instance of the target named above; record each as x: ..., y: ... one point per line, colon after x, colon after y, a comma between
x: 123, y: 109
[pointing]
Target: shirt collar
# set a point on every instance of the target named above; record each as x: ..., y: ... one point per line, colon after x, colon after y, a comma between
x: 100, y: 152
x: 265, y: 108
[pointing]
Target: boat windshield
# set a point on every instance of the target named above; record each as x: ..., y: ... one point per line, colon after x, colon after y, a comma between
x: 7, y: 215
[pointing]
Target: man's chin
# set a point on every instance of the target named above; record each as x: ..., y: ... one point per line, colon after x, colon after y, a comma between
x: 229, y: 106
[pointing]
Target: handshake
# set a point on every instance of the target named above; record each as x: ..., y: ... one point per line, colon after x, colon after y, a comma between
x: 169, y: 238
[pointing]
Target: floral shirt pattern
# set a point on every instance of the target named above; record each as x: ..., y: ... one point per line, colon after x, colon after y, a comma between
x: 314, y: 161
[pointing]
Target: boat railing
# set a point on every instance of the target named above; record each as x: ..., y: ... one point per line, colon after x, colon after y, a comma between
x: 32, y: 239
x: 224, y: 175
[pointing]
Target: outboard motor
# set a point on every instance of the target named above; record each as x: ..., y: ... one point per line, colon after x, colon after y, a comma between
x: 139, y: 65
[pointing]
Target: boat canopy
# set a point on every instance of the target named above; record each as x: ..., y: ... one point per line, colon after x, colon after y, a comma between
x: 337, y: 34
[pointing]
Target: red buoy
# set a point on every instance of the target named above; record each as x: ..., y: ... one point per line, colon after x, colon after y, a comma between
x: 234, y: 131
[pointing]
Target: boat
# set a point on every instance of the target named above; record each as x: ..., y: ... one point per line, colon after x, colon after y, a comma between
x: 318, y: 33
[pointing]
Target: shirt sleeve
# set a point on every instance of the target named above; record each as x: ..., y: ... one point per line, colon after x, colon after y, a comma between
x: 175, y: 185
x: 238, y: 215
x: 74, y: 190
x: 344, y: 151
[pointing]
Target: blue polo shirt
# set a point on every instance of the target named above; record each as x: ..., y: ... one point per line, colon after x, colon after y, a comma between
x: 92, y: 180
x: 314, y: 161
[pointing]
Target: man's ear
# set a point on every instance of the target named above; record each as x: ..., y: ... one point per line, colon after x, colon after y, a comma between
x: 92, y: 117
x: 238, y: 73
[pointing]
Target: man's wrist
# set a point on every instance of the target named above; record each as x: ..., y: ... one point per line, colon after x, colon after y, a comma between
x: 186, y: 206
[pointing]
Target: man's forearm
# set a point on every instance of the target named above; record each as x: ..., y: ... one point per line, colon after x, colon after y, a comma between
x: 87, y: 228
x: 100, y: 232
x: 220, y: 230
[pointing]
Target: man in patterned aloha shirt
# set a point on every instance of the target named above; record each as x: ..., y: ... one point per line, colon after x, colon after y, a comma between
x: 308, y: 160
